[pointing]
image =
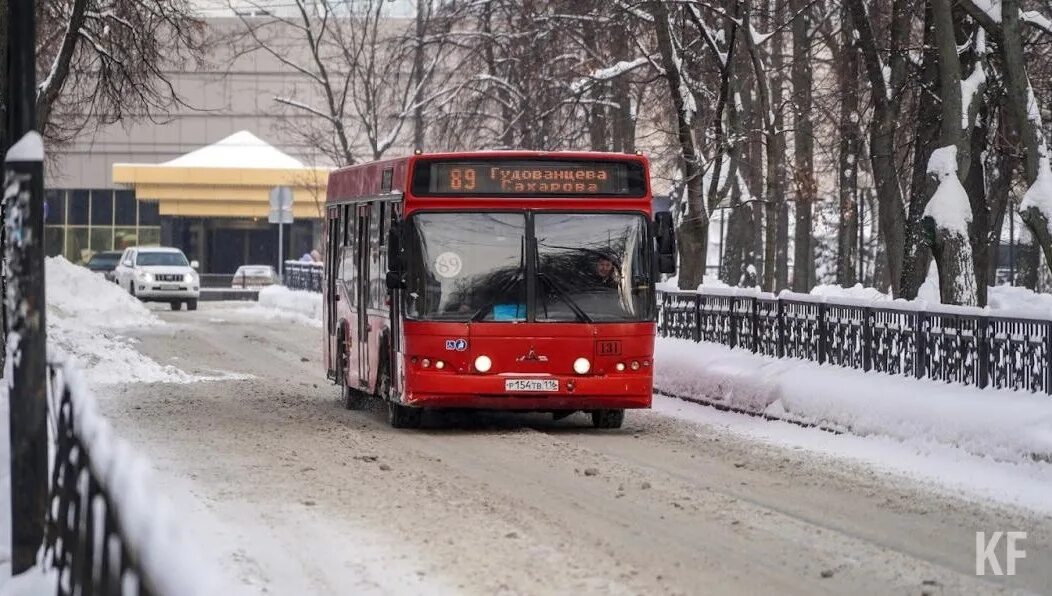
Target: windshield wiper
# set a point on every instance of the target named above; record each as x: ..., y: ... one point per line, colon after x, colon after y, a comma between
x: 481, y: 313
x: 577, y: 310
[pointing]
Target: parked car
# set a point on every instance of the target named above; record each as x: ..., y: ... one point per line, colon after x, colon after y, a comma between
x: 254, y: 276
x: 159, y: 274
x: 104, y: 262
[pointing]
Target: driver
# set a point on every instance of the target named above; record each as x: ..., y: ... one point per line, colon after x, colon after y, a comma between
x: 604, y: 275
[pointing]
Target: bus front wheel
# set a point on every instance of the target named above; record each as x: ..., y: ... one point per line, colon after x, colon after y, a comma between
x: 400, y: 416
x: 608, y: 418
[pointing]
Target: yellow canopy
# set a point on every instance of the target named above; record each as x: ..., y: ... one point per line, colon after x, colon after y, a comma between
x: 230, y: 178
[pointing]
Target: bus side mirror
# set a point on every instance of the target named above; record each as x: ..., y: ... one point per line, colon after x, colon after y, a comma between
x: 666, y: 242
x: 395, y: 281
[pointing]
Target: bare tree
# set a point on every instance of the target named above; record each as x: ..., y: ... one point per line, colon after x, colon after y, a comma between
x: 107, y: 60
x: 367, y: 74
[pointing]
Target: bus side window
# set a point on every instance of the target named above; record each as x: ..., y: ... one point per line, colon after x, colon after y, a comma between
x: 347, y: 217
x: 376, y: 285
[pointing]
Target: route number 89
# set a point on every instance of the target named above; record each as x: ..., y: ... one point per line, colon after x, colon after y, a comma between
x: 462, y: 179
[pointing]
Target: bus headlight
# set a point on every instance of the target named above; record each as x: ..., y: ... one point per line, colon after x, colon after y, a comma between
x: 581, y: 366
x: 483, y: 363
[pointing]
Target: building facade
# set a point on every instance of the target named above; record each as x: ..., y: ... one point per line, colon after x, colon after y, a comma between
x: 90, y: 208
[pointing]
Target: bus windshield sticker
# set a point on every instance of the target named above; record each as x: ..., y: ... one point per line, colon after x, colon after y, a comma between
x: 448, y: 264
x: 509, y: 312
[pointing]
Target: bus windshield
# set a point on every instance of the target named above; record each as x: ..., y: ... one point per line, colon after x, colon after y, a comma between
x: 591, y: 267
x: 587, y: 267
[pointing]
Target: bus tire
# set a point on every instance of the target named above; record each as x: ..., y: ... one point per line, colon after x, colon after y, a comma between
x: 608, y: 418
x: 400, y: 416
x: 354, y: 399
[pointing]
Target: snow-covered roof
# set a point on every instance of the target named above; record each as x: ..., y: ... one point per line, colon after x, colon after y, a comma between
x: 240, y: 150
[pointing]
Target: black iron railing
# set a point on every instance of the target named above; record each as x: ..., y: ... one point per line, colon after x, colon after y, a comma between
x: 90, y: 542
x: 949, y: 344
x: 300, y: 275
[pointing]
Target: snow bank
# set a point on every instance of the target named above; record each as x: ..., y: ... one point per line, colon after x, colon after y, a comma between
x: 1003, y: 301
x: 1005, y: 425
x: 282, y: 303
x: 5, y: 488
x: 76, y: 292
x: 151, y: 528
x: 86, y: 314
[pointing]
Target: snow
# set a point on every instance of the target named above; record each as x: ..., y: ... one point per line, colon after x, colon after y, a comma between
x: 1036, y: 18
x: 240, y: 150
x: 76, y: 292
x: 992, y: 8
x: 29, y: 148
x: 1039, y: 194
x: 1010, y: 429
x: 5, y: 488
x: 709, y: 282
x: 281, y: 303
x: 605, y: 74
x: 151, y: 527
x: 86, y: 314
x: 34, y: 582
x: 944, y: 468
x: 949, y: 206
x: 969, y: 87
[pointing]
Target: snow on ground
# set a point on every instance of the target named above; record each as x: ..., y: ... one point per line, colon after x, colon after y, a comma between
x: 944, y: 468
x: 5, y: 488
x: 1006, y: 430
x: 280, y: 303
x: 86, y: 314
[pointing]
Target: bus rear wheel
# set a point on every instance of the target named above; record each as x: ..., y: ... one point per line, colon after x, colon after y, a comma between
x: 354, y: 399
x: 608, y: 418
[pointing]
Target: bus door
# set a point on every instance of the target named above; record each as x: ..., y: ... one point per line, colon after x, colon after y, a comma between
x: 332, y: 250
x: 364, y: 243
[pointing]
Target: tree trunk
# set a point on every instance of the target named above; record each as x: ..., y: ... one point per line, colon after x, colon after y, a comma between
x: 983, y: 236
x: 779, y: 213
x: 803, y: 151
x: 692, y: 232
x: 922, y: 185
x: 1028, y: 120
x: 885, y: 100
x: 850, y: 147
x: 5, y: 144
x: 951, y: 248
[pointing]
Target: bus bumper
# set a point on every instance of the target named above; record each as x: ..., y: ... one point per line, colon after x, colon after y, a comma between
x: 438, y: 390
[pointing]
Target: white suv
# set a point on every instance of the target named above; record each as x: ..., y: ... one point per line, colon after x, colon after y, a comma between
x: 159, y: 274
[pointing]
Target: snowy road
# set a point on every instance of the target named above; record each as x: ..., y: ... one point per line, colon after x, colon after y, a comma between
x: 295, y: 495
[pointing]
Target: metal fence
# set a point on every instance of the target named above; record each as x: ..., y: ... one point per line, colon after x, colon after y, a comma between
x: 94, y: 542
x: 300, y: 275
x: 949, y: 344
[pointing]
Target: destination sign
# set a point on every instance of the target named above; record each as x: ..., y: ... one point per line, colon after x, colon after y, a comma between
x: 526, y: 178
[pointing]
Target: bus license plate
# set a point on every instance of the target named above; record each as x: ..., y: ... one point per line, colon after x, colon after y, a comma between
x: 543, y: 385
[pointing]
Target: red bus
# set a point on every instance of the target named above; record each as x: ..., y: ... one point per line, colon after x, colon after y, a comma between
x: 510, y: 280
